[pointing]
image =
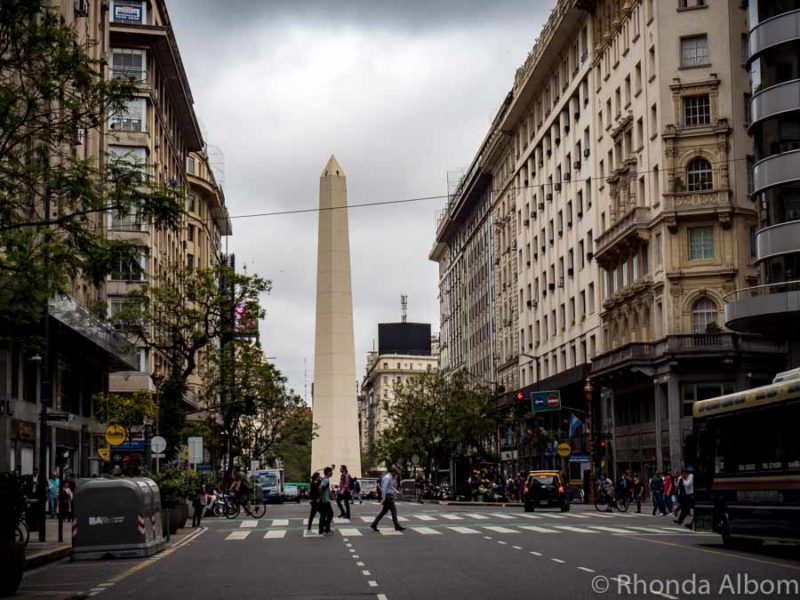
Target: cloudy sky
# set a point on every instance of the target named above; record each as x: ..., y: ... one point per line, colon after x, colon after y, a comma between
x: 401, y: 91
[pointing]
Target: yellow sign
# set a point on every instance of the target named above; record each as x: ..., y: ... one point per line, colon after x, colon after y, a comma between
x: 115, y: 435
x: 564, y: 450
x: 185, y: 454
x: 105, y: 453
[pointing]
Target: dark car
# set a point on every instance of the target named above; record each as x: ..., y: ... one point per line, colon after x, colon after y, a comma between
x: 545, y: 489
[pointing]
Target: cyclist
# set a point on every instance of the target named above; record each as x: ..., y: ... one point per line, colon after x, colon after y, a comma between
x: 607, y: 489
x: 239, y: 488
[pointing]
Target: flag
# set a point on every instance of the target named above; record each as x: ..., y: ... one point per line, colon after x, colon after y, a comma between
x: 574, y: 424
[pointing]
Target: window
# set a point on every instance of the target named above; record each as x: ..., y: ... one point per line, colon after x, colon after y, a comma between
x: 190, y: 164
x: 638, y: 78
x: 692, y: 392
x: 127, y: 158
x: 130, y: 220
x: 659, y: 249
x: 698, y: 175
x: 190, y: 233
x: 128, y: 63
x: 132, y: 117
x: 694, y: 51
x: 128, y: 268
x: 752, y: 241
x: 696, y: 110
x: 191, y: 202
x: 129, y: 11
x: 692, y: 3
x: 701, y: 243
x: 591, y: 302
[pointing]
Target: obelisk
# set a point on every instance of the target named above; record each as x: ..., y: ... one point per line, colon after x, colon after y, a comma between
x: 334, y: 394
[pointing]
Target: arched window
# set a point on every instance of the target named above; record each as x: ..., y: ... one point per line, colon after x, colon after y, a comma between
x: 704, y: 312
x: 698, y: 175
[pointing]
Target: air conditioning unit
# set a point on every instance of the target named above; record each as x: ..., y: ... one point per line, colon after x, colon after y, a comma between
x: 552, y: 286
x: 577, y: 115
x: 529, y: 303
x: 558, y: 141
x: 560, y: 233
x: 589, y: 256
x: 549, y: 152
x: 541, y: 164
x: 570, y: 271
x: 556, y: 187
x: 535, y: 303
x: 569, y: 223
x: 541, y: 204
x: 580, y: 214
x: 567, y: 176
x: 576, y: 164
x: 526, y: 222
x: 529, y: 263
x: 550, y: 196
x: 585, y: 153
x: 566, y: 128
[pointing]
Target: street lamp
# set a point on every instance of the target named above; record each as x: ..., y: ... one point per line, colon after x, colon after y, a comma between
x: 587, y: 390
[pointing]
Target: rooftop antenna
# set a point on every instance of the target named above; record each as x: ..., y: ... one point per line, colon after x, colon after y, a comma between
x: 305, y: 380
x: 403, y: 308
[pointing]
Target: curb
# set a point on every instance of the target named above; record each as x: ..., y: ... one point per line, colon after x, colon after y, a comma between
x: 465, y: 503
x: 47, y: 556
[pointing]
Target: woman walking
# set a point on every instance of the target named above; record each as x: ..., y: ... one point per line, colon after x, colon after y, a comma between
x: 313, y: 496
x: 325, y: 508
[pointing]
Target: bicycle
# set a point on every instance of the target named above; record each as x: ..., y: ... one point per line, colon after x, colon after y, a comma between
x: 231, y: 507
x: 605, y: 503
x: 22, y: 534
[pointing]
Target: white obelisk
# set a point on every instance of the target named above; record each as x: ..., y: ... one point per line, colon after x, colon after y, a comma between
x: 334, y: 397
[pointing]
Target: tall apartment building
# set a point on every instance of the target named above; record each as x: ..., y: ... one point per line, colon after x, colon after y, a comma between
x: 773, y: 50
x: 627, y: 124
x: 159, y: 129
x: 405, y: 350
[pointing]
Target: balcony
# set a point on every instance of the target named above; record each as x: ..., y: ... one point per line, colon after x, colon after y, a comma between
x: 778, y: 239
x: 769, y: 309
x: 688, y: 204
x: 776, y: 170
x: 624, y: 236
x: 775, y: 100
x: 773, y: 32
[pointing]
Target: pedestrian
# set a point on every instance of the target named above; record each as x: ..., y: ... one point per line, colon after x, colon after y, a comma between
x: 685, y: 497
x: 52, y: 496
x: 65, y: 495
x: 667, y: 491
x: 325, y: 508
x: 637, y: 487
x: 314, y: 499
x: 389, y: 492
x: 199, y: 501
x: 343, y: 494
x: 657, y: 491
x: 356, y: 483
x: 419, y: 487
x: 624, y: 486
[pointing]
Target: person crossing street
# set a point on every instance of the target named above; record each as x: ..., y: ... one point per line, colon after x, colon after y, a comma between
x: 388, y: 493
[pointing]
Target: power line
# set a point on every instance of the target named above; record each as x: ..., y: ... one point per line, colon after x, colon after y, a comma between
x: 542, y: 186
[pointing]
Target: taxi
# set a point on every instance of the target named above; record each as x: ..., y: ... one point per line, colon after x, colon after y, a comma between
x: 545, y: 489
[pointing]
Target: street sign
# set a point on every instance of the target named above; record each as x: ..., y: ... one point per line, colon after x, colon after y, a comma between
x: 130, y: 445
x: 158, y: 444
x: 195, y: 450
x: 255, y: 465
x: 415, y: 459
x: 564, y: 450
x: 159, y: 455
x: 115, y: 435
x: 59, y: 416
x: 544, y: 401
x: 104, y: 453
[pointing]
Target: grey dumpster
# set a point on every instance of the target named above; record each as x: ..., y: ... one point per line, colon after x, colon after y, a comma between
x: 117, y: 518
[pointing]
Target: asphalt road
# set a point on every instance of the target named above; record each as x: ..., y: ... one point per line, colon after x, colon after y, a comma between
x: 446, y: 552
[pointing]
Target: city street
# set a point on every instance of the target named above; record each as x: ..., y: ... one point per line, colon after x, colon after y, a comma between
x: 445, y: 552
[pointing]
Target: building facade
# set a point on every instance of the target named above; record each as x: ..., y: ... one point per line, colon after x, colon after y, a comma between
x: 773, y: 55
x: 627, y: 127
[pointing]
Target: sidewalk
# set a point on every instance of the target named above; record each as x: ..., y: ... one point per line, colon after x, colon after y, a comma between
x: 40, y: 553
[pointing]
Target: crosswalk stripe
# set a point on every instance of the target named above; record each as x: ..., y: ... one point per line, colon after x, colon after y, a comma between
x: 275, y: 534
x: 536, y: 529
x: 499, y: 529
x: 424, y: 517
x: 529, y: 516
x: 647, y: 529
x: 501, y: 515
x: 402, y: 519
x: 368, y: 519
x: 609, y: 529
x: 477, y: 516
x: 600, y: 515
x: 552, y: 516
x: 349, y: 531
x: 389, y: 532
x: 574, y: 529
x: 237, y: 535
x: 248, y: 523
x: 280, y: 522
x: 452, y: 517
x: 426, y: 531
x: 464, y: 530
x: 307, y: 533
x: 575, y: 515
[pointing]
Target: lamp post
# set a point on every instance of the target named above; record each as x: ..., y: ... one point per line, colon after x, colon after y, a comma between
x: 587, y: 390
x: 157, y: 378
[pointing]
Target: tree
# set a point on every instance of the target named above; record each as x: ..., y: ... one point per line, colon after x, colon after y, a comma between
x: 52, y: 92
x: 436, y: 417
x: 127, y: 410
x: 180, y: 314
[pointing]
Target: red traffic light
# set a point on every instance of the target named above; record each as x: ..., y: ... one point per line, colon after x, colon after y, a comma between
x: 520, y: 396
x: 603, y: 444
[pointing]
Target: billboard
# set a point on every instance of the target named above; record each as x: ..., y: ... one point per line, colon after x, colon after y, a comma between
x: 404, y: 338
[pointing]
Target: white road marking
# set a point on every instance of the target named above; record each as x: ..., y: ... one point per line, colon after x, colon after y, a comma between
x: 310, y: 534
x: 280, y: 522
x: 249, y: 523
x: 558, y: 560
x: 477, y: 516
x: 536, y: 529
x: 390, y: 532
x: 609, y: 529
x: 501, y: 542
x: 575, y: 515
x: 464, y: 530
x: 366, y: 573
x: 517, y: 547
x: 600, y: 515
x: 382, y: 597
x: 501, y: 515
x: 275, y: 534
x: 424, y: 517
x: 452, y: 517
x: 574, y: 529
x: 360, y: 564
x: 586, y: 569
x: 402, y: 519
x: 426, y: 531
x: 535, y: 553
x: 529, y: 516
x: 372, y: 583
x: 355, y: 556
x: 499, y: 529
x: 552, y: 516
x: 237, y: 535
x: 647, y: 529
x: 350, y: 531
x: 368, y: 519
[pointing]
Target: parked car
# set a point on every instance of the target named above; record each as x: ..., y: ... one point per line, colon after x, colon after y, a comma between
x: 369, y: 488
x: 546, y: 489
x: 408, y: 489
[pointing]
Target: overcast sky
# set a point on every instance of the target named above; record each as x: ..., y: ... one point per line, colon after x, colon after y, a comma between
x: 400, y: 91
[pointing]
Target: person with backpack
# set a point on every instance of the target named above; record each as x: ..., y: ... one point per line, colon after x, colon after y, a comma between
x: 357, y: 490
x: 314, y: 498
x: 345, y: 485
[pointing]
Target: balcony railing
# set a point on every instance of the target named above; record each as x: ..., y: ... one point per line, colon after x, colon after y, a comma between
x: 763, y: 290
x: 634, y: 221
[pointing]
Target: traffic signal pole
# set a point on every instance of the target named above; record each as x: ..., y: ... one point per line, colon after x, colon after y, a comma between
x: 587, y: 390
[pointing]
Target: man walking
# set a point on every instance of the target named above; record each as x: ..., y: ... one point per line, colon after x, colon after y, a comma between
x: 668, y: 491
x: 657, y: 491
x: 345, y: 485
x: 325, y: 508
x: 685, y: 496
x: 388, y: 493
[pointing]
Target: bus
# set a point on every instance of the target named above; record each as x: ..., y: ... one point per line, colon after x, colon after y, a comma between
x: 746, y: 453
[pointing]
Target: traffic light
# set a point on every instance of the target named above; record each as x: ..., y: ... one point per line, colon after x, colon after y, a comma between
x: 520, y: 396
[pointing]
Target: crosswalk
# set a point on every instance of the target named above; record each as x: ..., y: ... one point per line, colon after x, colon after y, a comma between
x: 466, y: 523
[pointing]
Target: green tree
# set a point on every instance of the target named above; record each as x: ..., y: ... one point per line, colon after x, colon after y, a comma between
x: 128, y: 410
x: 51, y: 93
x: 436, y: 417
x: 182, y: 313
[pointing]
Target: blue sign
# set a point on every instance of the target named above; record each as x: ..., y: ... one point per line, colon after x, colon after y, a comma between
x: 578, y: 457
x: 203, y: 467
x: 136, y: 445
x: 544, y: 401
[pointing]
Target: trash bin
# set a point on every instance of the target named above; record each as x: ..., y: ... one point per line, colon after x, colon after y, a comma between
x: 32, y: 514
x: 119, y: 518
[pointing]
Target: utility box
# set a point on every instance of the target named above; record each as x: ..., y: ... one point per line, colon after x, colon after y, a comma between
x: 118, y: 518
